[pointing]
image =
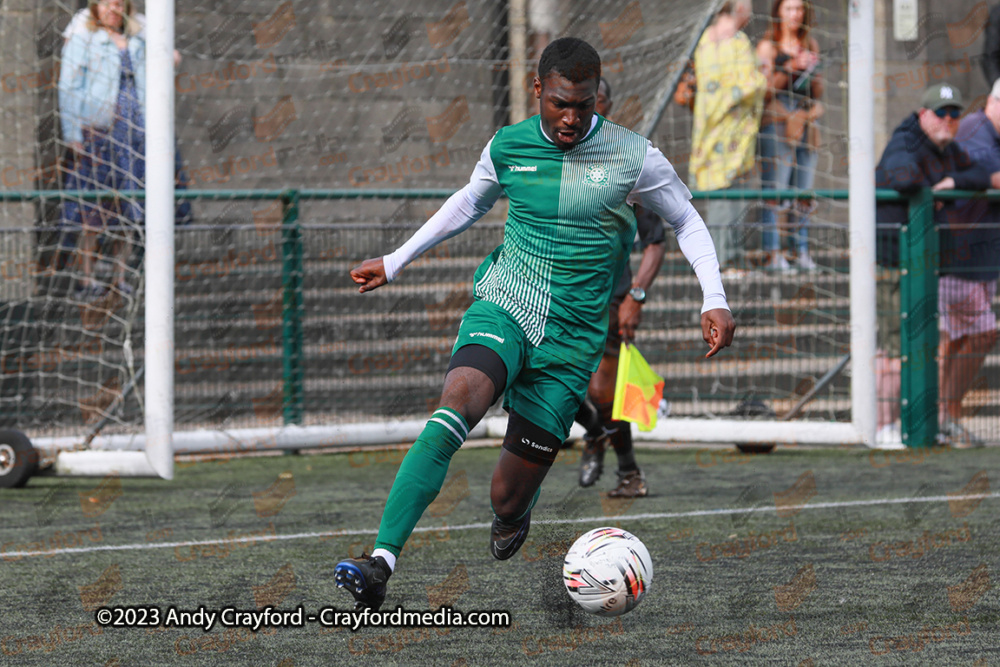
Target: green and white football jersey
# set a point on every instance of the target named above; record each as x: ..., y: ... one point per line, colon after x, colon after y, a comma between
x: 568, y: 235
x: 569, y: 231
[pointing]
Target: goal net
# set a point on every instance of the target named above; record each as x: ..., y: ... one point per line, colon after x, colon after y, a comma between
x: 313, y: 136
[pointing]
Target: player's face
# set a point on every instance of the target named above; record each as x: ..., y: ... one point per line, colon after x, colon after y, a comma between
x: 566, y: 108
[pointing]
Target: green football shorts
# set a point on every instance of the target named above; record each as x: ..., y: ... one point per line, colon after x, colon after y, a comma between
x: 542, y: 388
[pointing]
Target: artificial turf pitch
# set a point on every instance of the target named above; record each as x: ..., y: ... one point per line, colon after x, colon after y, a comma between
x: 801, y: 557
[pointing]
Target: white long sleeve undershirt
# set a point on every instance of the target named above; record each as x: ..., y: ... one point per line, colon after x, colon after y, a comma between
x: 661, y: 191
x: 457, y: 214
x: 657, y: 189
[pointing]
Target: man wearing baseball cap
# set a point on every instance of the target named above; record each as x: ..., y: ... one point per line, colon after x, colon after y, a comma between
x: 921, y: 153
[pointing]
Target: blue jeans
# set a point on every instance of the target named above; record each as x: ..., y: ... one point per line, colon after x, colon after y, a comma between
x: 784, y: 166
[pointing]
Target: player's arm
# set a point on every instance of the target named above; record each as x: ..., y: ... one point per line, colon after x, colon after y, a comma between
x: 651, y: 237
x: 659, y: 189
x: 459, y: 212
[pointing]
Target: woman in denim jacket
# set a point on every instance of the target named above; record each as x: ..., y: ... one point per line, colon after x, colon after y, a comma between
x: 102, y: 96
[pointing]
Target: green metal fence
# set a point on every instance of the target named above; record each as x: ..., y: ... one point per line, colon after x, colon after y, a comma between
x: 918, y: 277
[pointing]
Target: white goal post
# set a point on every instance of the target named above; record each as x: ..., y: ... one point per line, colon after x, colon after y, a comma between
x: 157, y: 459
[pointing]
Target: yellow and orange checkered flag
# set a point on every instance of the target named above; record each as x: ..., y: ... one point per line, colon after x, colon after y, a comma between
x: 638, y: 390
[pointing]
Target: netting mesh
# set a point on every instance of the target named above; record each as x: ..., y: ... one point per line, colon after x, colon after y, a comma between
x: 314, y: 95
x: 338, y: 96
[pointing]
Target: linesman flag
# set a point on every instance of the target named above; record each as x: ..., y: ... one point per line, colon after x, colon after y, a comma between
x: 638, y: 390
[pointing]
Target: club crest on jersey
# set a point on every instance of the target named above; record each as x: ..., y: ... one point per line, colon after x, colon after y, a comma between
x: 596, y: 175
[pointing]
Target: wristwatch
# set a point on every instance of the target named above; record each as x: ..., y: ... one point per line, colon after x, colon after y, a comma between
x: 638, y: 294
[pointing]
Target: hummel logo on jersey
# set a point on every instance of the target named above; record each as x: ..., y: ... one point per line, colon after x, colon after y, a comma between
x: 526, y: 441
x: 488, y: 335
x: 514, y: 167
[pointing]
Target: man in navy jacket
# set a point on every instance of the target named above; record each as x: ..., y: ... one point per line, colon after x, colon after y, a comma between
x: 921, y: 153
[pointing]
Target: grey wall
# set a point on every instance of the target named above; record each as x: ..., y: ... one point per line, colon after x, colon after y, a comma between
x: 305, y: 123
x: 949, y: 49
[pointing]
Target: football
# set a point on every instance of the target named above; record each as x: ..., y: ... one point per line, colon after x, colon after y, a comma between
x: 607, y: 571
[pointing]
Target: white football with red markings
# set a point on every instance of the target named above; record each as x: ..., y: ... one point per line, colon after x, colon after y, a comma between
x: 608, y: 571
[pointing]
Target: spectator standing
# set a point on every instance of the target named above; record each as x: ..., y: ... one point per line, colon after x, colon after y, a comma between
x: 727, y: 115
x: 921, y: 153
x: 970, y: 266
x: 102, y: 92
x: 789, y: 136
x: 101, y: 99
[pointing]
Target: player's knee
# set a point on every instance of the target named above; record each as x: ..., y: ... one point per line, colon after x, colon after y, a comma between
x: 471, y: 411
x: 602, y: 394
x: 476, y: 378
x: 466, y: 399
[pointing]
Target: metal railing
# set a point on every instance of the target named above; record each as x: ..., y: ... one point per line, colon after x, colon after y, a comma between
x: 919, y: 257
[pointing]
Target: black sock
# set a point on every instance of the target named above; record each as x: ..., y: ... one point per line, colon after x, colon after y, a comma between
x: 589, y: 417
x: 621, y: 440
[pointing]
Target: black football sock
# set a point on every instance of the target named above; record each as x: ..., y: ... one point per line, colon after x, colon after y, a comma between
x: 621, y: 440
x: 589, y: 417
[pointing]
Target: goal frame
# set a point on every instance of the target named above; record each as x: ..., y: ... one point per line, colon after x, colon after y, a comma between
x: 152, y: 454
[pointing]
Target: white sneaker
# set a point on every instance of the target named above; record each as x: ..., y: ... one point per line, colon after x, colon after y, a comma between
x: 778, y: 263
x: 806, y: 262
x: 889, y: 437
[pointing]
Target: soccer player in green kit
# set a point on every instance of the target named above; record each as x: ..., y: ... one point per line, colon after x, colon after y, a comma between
x: 536, y: 328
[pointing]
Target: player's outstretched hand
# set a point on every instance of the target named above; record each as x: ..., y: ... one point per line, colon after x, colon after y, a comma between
x: 369, y: 274
x: 717, y: 328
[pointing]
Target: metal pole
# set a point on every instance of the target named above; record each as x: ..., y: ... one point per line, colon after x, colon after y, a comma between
x: 291, y: 311
x: 918, y: 263
x: 861, y: 170
x: 159, y: 256
x: 518, y: 60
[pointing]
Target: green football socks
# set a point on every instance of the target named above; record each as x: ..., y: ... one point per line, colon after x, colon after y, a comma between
x: 421, y: 476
